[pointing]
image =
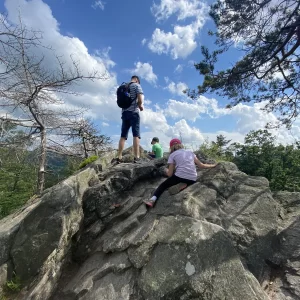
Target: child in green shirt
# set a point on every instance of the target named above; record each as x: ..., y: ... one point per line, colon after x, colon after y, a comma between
x: 157, y: 150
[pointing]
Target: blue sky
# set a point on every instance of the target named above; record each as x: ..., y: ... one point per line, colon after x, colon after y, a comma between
x: 159, y: 41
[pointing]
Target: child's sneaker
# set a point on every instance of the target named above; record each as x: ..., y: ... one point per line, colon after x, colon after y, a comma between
x: 175, y: 189
x: 149, y: 203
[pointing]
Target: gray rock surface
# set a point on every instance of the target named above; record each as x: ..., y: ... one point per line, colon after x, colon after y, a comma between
x: 178, y: 250
x: 91, y: 237
x: 285, y: 271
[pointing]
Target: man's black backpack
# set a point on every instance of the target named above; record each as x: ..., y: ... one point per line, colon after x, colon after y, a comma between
x: 123, y: 95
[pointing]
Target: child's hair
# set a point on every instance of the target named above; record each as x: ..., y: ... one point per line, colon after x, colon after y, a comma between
x: 176, y: 147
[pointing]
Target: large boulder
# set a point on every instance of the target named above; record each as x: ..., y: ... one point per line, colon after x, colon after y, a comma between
x: 38, y: 238
x: 285, y: 264
x: 166, y: 258
x: 225, y: 237
x: 9, y: 227
x: 178, y: 250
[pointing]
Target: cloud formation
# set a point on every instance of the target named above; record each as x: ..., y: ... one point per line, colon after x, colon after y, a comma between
x: 99, y: 95
x: 177, y: 88
x: 182, y: 41
x: 98, y: 4
x: 145, y: 70
x: 172, y: 119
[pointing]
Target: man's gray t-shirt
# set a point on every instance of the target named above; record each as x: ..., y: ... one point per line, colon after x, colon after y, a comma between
x: 135, y: 89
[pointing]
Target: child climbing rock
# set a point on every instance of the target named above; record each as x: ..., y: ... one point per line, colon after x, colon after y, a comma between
x: 183, y: 162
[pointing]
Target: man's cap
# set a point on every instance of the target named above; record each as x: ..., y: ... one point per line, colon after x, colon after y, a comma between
x: 174, y: 142
x: 137, y: 77
x: 155, y: 139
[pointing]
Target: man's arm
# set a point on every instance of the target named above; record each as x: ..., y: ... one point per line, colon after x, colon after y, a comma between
x: 202, y: 165
x: 140, y: 98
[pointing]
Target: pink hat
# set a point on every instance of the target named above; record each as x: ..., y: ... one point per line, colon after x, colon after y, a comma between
x: 174, y: 142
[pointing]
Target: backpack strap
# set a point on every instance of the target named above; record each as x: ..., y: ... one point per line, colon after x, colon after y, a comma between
x: 130, y: 95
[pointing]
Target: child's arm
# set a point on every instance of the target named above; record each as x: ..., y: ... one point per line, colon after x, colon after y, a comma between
x: 202, y: 165
x: 152, y: 152
x: 170, y: 170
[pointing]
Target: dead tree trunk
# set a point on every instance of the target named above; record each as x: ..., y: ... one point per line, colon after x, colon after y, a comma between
x: 42, y: 162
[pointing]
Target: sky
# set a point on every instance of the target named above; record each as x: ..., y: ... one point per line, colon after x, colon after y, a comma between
x: 160, y: 42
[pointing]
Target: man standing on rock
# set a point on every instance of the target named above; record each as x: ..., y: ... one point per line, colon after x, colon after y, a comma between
x: 131, y: 118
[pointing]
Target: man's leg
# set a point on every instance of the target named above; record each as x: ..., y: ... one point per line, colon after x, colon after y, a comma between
x: 136, y: 146
x: 121, y: 147
x: 135, y: 126
x: 124, y: 134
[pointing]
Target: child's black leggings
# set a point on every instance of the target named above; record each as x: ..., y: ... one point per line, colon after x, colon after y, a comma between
x: 173, y: 180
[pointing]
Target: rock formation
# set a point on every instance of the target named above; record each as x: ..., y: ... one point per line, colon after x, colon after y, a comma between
x: 91, y: 237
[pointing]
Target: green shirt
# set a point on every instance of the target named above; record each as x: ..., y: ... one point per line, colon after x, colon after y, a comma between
x: 157, y: 150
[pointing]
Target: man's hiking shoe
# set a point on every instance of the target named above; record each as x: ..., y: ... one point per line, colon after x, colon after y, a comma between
x: 136, y: 160
x: 175, y: 189
x: 119, y: 160
x: 149, y: 203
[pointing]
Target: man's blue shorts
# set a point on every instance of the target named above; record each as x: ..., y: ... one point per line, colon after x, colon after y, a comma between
x: 130, y: 119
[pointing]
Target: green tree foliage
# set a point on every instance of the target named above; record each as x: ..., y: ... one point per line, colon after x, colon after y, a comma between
x: 259, y: 155
x: 217, y: 150
x: 17, y: 169
x: 267, y: 34
x: 59, y: 167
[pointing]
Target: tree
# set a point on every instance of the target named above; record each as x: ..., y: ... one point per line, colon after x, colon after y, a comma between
x: 260, y: 156
x: 267, y: 34
x: 221, y: 144
x: 218, y: 150
x: 17, y: 168
x: 86, y: 138
x: 255, y: 156
x: 29, y: 86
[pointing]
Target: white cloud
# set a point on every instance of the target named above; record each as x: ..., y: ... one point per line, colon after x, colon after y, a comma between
x: 251, y: 117
x: 154, y: 120
x: 98, y: 4
x: 144, y: 41
x: 178, y: 109
x: 193, y: 109
x: 183, y: 8
x: 188, y: 134
x: 145, y: 70
x: 167, y: 79
x: 99, y: 95
x: 103, y: 57
x: 158, y: 126
x: 177, y: 88
x: 178, y: 69
x: 179, y: 44
x: 233, y: 136
x: 104, y: 124
x: 182, y: 41
x: 254, y: 118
